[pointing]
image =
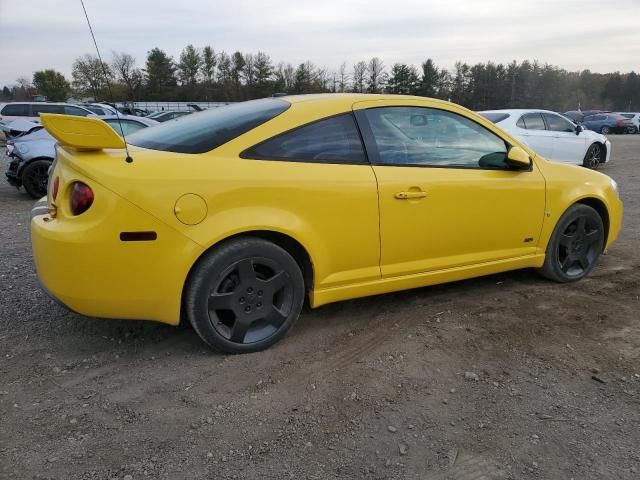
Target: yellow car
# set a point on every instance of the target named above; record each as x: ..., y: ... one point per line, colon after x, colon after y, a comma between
x: 232, y: 217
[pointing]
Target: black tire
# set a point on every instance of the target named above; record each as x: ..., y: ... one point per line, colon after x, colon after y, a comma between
x: 244, y: 295
x: 575, y: 245
x: 594, y: 156
x: 605, y: 130
x: 35, y: 176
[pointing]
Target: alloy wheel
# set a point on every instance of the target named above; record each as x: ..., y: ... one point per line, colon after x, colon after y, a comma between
x: 35, y: 182
x: 593, y: 157
x: 251, y: 301
x: 579, y: 246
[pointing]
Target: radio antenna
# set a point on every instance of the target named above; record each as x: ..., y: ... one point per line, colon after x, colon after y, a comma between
x: 128, y: 159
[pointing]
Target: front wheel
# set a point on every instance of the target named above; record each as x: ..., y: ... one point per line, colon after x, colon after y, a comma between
x: 244, y: 295
x: 593, y: 157
x: 35, y: 177
x: 575, y: 245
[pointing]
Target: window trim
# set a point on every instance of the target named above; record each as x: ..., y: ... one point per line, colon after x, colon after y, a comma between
x: 371, y: 147
x: 245, y: 153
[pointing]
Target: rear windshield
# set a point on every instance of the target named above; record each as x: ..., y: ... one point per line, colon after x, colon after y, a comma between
x: 495, y: 117
x: 203, y: 131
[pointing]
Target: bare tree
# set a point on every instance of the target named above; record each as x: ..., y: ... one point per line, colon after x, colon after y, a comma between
x: 126, y: 72
x: 343, y: 77
x: 359, y: 73
x: 376, y: 75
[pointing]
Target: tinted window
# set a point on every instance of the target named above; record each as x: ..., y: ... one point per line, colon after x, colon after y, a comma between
x: 128, y: 126
x: 429, y: 137
x: 80, y: 112
x: 558, y: 124
x: 203, y: 131
x: 96, y: 110
x: 495, y: 117
x: 628, y: 115
x: 44, y: 108
x: 595, y: 118
x: 16, y: 110
x: 533, y: 121
x: 332, y: 140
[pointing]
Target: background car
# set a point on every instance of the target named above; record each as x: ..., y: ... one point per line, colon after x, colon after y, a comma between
x: 606, y: 123
x: 31, y: 155
x: 635, y: 118
x: 32, y: 110
x: 166, y: 115
x: 553, y: 136
x: 100, y: 108
x: 577, y: 116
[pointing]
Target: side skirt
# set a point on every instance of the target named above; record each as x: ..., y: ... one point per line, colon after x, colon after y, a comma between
x: 407, y: 282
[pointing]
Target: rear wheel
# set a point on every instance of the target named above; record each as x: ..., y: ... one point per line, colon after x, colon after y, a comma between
x: 575, y: 245
x: 605, y: 130
x: 35, y: 176
x: 593, y: 157
x: 244, y: 295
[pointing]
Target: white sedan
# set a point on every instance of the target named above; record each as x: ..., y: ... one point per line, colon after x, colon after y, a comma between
x: 553, y: 136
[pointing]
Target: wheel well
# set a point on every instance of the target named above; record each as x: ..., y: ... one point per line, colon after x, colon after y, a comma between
x: 289, y: 244
x: 601, y: 208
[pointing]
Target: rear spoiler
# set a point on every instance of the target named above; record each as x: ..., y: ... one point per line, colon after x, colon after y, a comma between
x: 83, y: 133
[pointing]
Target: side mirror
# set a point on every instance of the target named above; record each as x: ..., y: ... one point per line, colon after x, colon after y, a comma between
x: 579, y: 128
x: 518, y: 159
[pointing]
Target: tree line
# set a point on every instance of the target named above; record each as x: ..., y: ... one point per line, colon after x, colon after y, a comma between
x: 202, y: 74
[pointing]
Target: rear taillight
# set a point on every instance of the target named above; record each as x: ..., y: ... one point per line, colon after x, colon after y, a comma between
x: 81, y: 198
x: 619, y: 122
x: 54, y: 190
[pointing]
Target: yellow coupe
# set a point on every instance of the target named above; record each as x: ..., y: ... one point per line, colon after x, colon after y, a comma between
x: 231, y: 217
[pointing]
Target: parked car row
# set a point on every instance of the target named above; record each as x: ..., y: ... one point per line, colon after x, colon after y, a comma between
x: 606, y: 122
x: 554, y: 136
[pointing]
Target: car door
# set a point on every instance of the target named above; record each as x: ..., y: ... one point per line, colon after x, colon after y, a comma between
x: 532, y: 129
x: 568, y: 147
x: 447, y: 198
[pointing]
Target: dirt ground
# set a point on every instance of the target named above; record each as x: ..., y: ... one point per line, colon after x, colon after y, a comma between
x: 502, y: 377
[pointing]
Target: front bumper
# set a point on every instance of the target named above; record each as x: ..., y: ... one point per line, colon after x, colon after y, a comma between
x: 83, y: 263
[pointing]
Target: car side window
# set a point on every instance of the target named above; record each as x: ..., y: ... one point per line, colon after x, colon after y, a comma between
x: 75, y: 111
x: 558, y: 124
x: 128, y: 126
x: 417, y: 136
x: 533, y: 121
x: 44, y: 108
x: 16, y: 110
x: 331, y: 140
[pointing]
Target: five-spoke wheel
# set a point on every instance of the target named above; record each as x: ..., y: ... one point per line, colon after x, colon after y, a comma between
x: 575, y: 245
x: 244, y: 295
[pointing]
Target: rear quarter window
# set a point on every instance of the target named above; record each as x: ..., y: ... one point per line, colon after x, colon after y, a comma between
x: 204, y: 131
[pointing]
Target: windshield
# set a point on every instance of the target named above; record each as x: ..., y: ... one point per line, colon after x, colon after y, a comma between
x: 203, y: 131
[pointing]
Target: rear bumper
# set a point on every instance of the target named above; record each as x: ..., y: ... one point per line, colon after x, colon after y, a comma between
x: 83, y: 264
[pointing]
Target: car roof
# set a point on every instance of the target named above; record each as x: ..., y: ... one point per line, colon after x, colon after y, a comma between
x: 348, y: 99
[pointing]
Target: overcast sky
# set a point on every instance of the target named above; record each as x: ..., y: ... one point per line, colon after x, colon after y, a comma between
x: 574, y: 34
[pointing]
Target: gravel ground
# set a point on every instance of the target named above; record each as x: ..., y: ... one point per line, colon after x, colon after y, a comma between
x: 504, y: 377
